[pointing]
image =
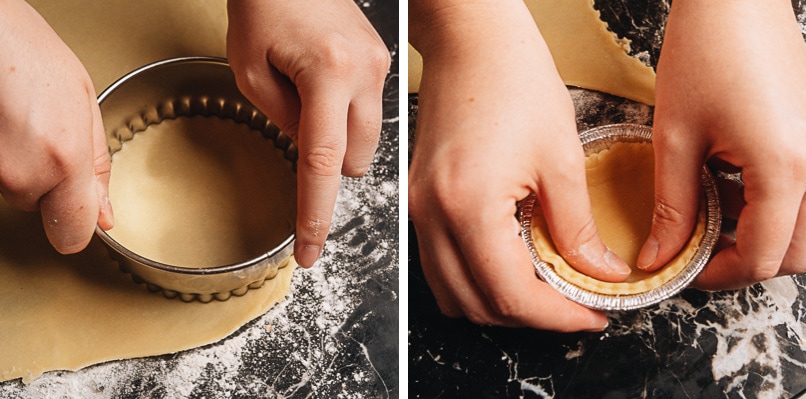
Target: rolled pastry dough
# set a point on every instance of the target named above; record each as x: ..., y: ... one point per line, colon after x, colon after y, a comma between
x: 587, y: 55
x: 620, y: 185
x: 68, y: 312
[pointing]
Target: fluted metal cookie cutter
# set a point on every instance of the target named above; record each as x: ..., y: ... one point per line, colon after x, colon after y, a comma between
x: 179, y: 87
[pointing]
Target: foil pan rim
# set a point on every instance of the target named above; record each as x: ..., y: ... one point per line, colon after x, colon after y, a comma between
x: 597, y: 139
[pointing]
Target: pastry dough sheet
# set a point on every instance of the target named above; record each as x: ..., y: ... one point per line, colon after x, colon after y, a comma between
x: 586, y: 53
x: 68, y: 312
x: 621, y: 189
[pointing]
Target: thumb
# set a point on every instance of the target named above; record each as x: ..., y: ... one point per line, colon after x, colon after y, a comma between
x: 71, y: 210
x: 101, y: 167
x: 677, y: 197
x: 566, y: 205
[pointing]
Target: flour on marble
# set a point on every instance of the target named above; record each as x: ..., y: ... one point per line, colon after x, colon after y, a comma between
x: 537, y: 388
x: 748, y: 341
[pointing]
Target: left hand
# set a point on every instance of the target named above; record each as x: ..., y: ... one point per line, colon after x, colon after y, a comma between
x: 316, y: 68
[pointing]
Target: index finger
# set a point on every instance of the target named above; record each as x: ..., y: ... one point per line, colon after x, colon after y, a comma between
x: 322, y: 143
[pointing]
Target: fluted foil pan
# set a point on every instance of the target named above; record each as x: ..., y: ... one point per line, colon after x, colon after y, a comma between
x: 593, y: 141
x: 185, y: 87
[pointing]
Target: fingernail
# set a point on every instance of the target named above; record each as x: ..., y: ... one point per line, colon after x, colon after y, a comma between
x: 599, y: 326
x: 307, y: 256
x: 649, y: 253
x: 106, y: 217
x: 106, y: 204
x: 616, y: 264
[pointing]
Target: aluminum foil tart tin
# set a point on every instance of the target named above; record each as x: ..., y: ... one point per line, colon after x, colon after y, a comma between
x: 593, y: 141
x: 180, y: 87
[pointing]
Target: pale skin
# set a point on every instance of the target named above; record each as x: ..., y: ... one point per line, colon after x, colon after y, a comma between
x: 495, y: 123
x: 53, y: 154
x: 730, y: 84
x: 318, y: 75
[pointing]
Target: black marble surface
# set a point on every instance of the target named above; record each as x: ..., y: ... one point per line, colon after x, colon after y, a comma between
x: 335, y: 336
x: 748, y: 343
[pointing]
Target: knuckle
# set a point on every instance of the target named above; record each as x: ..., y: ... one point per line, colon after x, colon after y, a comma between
x: 669, y: 141
x: 323, y: 161
x: 379, y: 61
x: 427, y: 195
x: 337, y: 56
x: 316, y: 229
x: 765, y: 270
x: 586, y: 234
x: 247, y: 79
x: 667, y: 216
x: 476, y: 317
x: 102, y: 162
x: 342, y: 58
x: 508, y: 307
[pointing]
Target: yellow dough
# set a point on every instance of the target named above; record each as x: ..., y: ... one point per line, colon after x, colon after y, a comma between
x: 587, y: 55
x: 620, y: 185
x: 67, y: 312
x: 201, y: 192
x: 112, y: 38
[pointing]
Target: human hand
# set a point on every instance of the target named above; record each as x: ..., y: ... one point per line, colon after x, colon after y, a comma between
x: 496, y: 123
x: 53, y: 154
x: 317, y: 70
x: 734, y: 96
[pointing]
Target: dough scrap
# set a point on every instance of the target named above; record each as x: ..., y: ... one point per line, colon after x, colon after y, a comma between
x: 620, y: 185
x: 586, y: 53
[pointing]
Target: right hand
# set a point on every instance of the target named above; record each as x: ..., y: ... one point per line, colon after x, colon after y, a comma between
x: 733, y: 96
x: 496, y: 123
x: 53, y: 153
x: 317, y: 70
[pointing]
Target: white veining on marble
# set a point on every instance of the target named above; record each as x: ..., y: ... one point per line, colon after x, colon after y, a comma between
x: 748, y: 341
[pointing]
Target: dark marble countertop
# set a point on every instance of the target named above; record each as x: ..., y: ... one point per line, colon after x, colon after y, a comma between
x: 335, y: 336
x: 749, y: 343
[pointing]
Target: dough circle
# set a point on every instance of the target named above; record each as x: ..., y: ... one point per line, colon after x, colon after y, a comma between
x: 620, y: 185
x: 201, y: 192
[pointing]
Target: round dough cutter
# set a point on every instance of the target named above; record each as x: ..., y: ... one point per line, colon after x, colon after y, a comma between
x: 186, y: 87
